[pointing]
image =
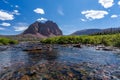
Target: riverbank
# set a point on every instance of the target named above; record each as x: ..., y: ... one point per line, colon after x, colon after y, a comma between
x: 38, y: 46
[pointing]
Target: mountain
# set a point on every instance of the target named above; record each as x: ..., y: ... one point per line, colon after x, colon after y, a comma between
x: 111, y: 30
x: 43, y: 29
x: 37, y: 31
x: 86, y: 32
x: 97, y: 31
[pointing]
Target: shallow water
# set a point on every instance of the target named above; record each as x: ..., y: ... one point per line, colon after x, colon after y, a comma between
x: 13, y: 58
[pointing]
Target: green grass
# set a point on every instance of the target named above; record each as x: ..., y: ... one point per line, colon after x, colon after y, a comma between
x: 107, y: 40
x: 6, y: 41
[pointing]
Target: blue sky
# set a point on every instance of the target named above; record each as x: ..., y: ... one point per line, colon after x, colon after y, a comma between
x: 70, y: 15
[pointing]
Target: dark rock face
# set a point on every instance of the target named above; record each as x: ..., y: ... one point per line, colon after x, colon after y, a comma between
x: 47, y: 29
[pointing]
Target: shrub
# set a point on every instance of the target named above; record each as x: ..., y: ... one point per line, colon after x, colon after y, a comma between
x: 6, y: 41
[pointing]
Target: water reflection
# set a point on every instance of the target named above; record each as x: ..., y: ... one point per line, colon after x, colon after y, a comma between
x: 36, y: 57
x: 12, y: 59
x: 16, y: 59
x: 5, y: 59
x: 19, y: 59
x: 88, y: 54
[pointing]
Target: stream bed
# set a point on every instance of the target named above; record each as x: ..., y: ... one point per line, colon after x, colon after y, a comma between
x: 62, y: 63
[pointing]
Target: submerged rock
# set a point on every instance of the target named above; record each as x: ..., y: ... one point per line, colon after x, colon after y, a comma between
x: 61, y: 71
x: 3, y: 48
x: 107, y: 49
x: 77, y: 46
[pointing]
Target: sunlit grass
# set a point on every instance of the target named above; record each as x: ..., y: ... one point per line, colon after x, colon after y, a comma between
x: 6, y: 41
x: 107, y: 40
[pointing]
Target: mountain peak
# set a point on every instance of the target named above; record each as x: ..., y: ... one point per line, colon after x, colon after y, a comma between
x: 47, y: 29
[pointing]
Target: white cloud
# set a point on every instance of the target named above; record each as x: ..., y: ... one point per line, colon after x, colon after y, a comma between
x: 5, y: 15
x: 114, y: 16
x: 42, y: 19
x: 83, y: 20
x: 16, y: 12
x: 2, y: 28
x: 106, y: 3
x: 20, y: 27
x: 39, y: 11
x: 60, y: 11
x: 5, y: 24
x: 94, y: 14
x: 118, y: 2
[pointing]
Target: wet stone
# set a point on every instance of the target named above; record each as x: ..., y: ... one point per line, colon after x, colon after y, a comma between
x: 25, y: 77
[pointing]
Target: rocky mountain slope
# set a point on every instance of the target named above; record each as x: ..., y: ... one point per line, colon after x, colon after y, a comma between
x: 43, y: 29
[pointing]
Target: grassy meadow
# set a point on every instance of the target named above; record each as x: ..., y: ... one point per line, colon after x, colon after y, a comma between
x: 107, y: 40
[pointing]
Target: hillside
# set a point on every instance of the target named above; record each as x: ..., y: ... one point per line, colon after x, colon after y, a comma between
x: 97, y: 31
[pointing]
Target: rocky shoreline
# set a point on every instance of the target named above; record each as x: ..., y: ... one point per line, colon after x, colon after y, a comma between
x: 37, y: 46
x: 97, y: 47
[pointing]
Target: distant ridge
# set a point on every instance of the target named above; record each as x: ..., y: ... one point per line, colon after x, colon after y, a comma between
x: 86, y: 31
x: 97, y: 31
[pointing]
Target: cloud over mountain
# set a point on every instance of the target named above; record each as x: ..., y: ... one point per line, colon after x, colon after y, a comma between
x: 42, y: 19
x: 20, y: 27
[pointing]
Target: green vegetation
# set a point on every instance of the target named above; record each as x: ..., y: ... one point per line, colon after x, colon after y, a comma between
x: 107, y: 40
x: 6, y: 41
